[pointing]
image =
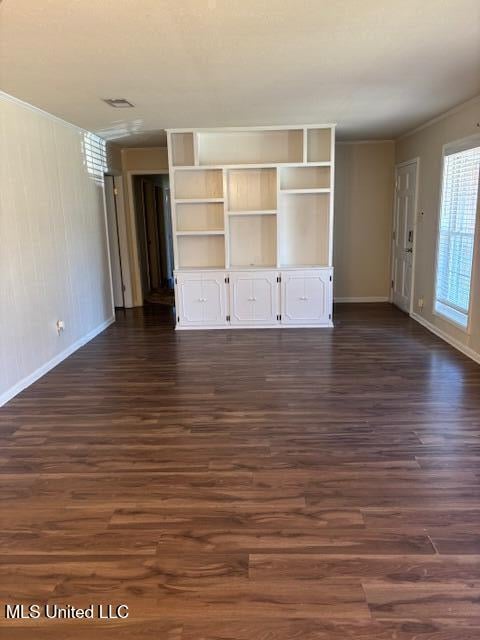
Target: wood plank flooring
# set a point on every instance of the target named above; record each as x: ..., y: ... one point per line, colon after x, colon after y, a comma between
x: 248, y: 485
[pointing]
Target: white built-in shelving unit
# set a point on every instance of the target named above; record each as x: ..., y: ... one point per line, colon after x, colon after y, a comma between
x: 252, y: 215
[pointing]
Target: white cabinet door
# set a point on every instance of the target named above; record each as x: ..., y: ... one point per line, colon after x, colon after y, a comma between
x: 201, y: 298
x: 307, y: 297
x: 190, y: 298
x: 214, y: 294
x: 253, y: 297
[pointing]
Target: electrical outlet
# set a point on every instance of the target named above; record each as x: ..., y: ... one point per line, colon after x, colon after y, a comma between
x: 420, y: 303
x: 60, y: 326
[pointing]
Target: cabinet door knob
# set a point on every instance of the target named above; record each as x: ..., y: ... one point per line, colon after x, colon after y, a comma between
x: 252, y: 299
x: 303, y: 298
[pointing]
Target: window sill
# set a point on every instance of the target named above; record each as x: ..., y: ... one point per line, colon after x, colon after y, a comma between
x: 464, y: 328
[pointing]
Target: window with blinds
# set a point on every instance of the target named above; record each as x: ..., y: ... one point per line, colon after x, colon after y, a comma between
x: 456, y: 235
x: 95, y: 154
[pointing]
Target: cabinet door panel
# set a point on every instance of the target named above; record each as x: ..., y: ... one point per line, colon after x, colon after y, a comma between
x: 265, y: 288
x: 190, y: 299
x: 242, y: 295
x: 213, y: 290
x: 201, y: 298
x: 306, y: 297
x: 253, y: 297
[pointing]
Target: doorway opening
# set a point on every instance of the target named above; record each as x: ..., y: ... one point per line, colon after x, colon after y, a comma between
x: 151, y: 194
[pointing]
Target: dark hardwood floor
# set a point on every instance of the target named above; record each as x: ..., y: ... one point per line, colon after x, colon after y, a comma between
x: 248, y: 485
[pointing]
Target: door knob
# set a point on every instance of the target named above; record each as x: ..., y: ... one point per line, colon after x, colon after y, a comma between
x: 408, y: 250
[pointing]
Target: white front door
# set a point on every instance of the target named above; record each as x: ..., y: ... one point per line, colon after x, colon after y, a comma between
x: 253, y: 297
x: 404, y: 234
x: 306, y: 297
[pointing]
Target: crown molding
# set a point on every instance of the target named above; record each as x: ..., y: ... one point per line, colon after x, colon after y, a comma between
x: 368, y: 141
x: 47, y: 114
x: 440, y: 117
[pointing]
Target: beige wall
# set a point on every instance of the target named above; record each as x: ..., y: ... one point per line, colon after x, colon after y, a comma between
x: 138, y: 161
x: 427, y: 144
x: 53, y: 254
x: 363, y: 219
x: 145, y: 159
x: 114, y: 158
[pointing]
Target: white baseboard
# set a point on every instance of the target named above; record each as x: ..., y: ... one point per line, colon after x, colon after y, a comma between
x: 45, y: 368
x: 444, y: 336
x: 365, y: 299
x: 233, y: 327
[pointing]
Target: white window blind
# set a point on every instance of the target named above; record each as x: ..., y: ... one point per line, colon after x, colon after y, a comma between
x: 95, y: 154
x: 458, y: 215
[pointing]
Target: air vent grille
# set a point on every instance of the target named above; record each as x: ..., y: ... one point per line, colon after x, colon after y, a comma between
x: 118, y: 103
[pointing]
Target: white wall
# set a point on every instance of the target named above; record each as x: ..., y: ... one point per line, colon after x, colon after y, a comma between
x: 363, y: 220
x: 53, y: 249
x: 114, y: 159
x: 427, y: 144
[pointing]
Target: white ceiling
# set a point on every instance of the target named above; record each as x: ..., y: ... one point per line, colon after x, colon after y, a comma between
x: 376, y: 67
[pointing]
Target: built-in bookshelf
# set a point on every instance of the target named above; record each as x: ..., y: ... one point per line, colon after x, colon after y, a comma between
x: 252, y: 198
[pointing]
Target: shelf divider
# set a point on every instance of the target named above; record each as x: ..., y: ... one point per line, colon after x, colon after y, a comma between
x: 197, y: 200
x: 294, y: 191
x: 262, y: 212
x: 211, y: 232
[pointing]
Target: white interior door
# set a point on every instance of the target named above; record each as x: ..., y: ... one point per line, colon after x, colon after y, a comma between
x: 404, y: 234
x: 253, y: 298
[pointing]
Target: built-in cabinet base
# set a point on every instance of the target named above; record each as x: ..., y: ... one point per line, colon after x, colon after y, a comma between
x: 259, y: 298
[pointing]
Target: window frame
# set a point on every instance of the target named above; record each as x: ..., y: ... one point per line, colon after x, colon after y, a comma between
x: 456, y: 146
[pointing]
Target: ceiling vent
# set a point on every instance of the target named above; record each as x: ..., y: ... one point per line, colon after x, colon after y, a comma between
x: 118, y: 103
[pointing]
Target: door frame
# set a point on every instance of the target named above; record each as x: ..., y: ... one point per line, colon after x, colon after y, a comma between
x: 413, y: 161
x: 137, y: 297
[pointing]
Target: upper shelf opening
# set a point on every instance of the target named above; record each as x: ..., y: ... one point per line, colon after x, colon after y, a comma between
x: 252, y: 189
x: 305, y: 178
x: 250, y: 147
x: 199, y: 185
x: 182, y: 149
x: 319, y: 145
